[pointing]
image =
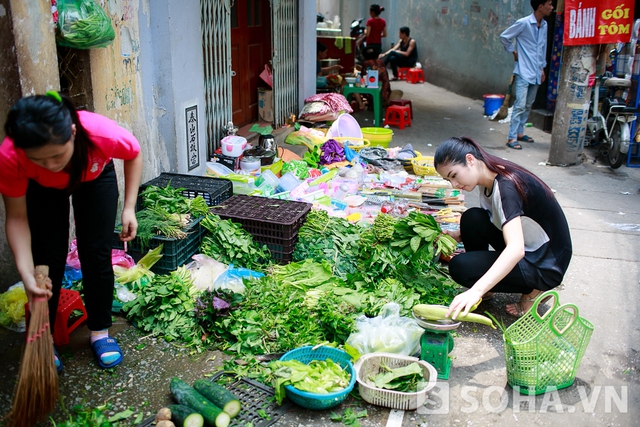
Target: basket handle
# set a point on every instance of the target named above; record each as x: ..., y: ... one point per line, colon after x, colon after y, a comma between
x: 556, y: 302
x: 563, y: 307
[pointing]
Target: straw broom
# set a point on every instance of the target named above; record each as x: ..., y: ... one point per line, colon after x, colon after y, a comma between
x: 504, y: 108
x: 37, y: 390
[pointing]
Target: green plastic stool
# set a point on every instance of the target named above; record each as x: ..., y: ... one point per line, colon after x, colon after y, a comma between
x: 375, y: 92
x: 435, y: 349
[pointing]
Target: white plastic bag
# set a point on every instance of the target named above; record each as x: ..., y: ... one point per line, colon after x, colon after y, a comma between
x: 386, y: 333
x: 205, y: 271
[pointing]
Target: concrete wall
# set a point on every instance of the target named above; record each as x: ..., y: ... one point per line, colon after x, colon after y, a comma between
x: 307, y: 50
x: 145, y: 80
x: 10, y: 89
x: 458, y: 41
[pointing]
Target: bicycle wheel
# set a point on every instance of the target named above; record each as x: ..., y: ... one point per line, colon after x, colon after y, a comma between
x: 615, y: 156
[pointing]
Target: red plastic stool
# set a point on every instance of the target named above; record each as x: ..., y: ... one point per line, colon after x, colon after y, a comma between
x: 402, y: 102
x: 398, y: 115
x: 402, y: 73
x: 415, y: 75
x: 69, y: 301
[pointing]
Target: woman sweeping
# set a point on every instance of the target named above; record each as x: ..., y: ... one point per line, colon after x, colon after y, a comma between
x: 51, y: 153
x: 519, y: 218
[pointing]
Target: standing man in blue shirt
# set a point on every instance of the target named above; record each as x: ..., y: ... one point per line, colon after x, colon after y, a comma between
x: 529, y: 52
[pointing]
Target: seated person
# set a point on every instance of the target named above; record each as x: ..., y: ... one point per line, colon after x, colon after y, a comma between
x: 404, y: 54
x: 371, y: 62
x: 321, y: 54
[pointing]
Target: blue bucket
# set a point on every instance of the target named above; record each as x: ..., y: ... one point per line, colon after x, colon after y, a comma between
x: 492, y: 103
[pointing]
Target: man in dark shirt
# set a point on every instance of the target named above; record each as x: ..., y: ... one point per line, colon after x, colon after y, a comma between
x: 403, y: 54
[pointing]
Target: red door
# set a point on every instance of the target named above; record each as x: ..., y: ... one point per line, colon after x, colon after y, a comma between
x: 250, y: 51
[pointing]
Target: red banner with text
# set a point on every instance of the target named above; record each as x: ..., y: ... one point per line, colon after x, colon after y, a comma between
x: 597, y: 21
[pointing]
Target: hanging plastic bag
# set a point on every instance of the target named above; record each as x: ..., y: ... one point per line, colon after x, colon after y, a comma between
x: 83, y: 24
x: 267, y: 76
x: 386, y: 333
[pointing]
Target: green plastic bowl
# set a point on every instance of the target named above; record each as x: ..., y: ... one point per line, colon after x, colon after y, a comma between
x: 378, y: 136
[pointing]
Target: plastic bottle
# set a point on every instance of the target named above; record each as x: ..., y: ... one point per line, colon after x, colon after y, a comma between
x: 341, y: 192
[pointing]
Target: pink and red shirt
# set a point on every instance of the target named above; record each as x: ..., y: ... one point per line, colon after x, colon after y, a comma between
x: 110, y: 140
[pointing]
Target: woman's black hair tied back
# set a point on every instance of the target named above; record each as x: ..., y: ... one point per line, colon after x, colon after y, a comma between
x: 376, y: 8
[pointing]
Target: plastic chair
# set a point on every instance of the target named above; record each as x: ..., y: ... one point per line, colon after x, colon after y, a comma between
x: 69, y: 301
x: 398, y: 115
x: 402, y: 73
x: 402, y: 102
x: 415, y: 75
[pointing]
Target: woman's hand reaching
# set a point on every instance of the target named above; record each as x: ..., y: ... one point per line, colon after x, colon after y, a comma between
x: 453, y: 233
x: 463, y: 302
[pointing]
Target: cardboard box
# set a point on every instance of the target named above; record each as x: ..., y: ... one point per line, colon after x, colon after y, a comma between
x: 265, y: 104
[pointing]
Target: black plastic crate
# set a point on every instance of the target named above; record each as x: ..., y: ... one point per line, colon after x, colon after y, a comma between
x: 213, y: 190
x: 254, y: 397
x: 175, y: 252
x: 265, y: 217
x: 277, y: 245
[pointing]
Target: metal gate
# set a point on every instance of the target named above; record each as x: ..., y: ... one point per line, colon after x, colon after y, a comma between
x: 284, y: 19
x: 216, y: 45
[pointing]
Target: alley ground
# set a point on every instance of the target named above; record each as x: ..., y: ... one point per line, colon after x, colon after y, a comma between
x: 603, y: 210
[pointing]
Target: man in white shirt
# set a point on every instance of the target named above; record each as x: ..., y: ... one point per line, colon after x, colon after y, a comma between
x: 527, y: 40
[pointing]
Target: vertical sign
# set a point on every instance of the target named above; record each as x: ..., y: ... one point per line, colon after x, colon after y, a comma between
x: 597, y: 21
x: 193, y: 145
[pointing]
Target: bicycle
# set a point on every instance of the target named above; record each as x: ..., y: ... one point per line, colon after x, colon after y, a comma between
x: 610, y: 128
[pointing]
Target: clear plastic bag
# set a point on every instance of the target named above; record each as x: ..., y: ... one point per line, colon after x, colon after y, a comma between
x: 83, y: 24
x: 386, y: 333
x: 205, y: 271
x: 233, y: 279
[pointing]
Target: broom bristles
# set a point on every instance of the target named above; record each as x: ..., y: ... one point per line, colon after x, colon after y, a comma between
x: 37, y: 389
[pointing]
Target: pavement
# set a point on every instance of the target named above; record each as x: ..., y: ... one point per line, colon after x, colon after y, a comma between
x: 603, y: 210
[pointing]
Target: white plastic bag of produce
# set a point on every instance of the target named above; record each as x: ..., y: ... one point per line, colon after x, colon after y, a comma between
x: 386, y: 333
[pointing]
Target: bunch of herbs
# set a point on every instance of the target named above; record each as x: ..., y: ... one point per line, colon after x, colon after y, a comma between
x: 328, y: 238
x: 227, y: 242
x: 166, y: 308
x: 273, y: 317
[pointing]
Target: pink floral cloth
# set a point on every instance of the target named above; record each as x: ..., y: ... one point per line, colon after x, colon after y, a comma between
x: 335, y: 102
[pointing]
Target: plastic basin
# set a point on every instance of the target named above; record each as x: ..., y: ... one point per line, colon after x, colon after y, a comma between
x: 378, y: 136
x: 344, y: 126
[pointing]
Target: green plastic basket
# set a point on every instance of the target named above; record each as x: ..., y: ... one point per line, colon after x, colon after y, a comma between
x: 315, y: 400
x: 543, y: 352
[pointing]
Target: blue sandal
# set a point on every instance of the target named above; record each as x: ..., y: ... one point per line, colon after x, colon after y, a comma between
x: 106, y: 345
x: 525, y: 138
x: 515, y: 145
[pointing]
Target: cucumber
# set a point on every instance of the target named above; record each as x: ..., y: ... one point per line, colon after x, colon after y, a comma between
x: 219, y: 396
x: 183, y: 416
x: 186, y: 395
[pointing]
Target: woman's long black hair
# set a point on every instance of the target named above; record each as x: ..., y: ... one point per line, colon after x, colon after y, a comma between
x: 453, y: 151
x: 39, y: 120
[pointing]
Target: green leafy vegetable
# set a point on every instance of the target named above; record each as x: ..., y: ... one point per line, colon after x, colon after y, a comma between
x: 349, y: 418
x: 319, y: 376
x: 229, y: 243
x: 404, y: 379
x: 166, y: 308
